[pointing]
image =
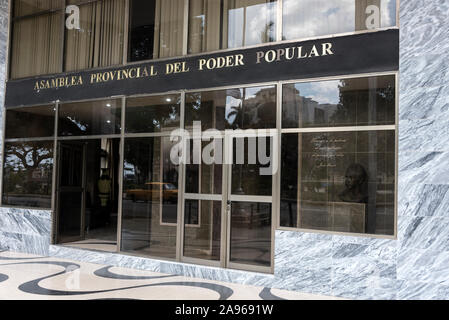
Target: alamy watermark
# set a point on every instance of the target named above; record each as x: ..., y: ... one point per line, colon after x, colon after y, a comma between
x: 259, y: 149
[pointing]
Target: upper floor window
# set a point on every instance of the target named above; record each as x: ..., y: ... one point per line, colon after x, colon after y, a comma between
x: 43, y: 44
x: 99, y: 40
x: 313, y: 18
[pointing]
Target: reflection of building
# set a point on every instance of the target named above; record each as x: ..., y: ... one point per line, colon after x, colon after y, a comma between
x: 300, y: 109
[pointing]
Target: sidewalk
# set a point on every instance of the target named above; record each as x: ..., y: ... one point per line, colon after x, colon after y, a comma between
x: 26, y: 277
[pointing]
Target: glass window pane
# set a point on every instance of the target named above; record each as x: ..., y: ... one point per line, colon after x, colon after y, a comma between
x: 153, y: 114
x: 202, y: 229
x: 249, y: 22
x: 90, y: 118
x: 27, y: 174
x: 99, y: 41
x: 251, y: 233
x: 27, y: 7
x: 36, y: 45
x: 347, y: 102
x: 210, y: 180
x: 313, y: 18
x: 150, y: 197
x: 156, y: 29
x: 339, y: 181
x: 225, y: 24
x: 31, y: 122
x: 246, y: 108
x: 248, y: 174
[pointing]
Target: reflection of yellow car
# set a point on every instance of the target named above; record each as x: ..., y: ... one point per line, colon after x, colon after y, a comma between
x: 153, y: 192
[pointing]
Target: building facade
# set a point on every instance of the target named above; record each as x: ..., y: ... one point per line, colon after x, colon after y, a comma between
x: 324, y: 122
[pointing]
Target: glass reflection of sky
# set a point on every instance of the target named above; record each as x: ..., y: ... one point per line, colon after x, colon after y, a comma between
x: 321, y: 92
x: 309, y: 18
x: 260, y: 18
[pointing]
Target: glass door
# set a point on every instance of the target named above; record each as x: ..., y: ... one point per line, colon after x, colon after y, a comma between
x: 71, y: 192
x: 251, y: 165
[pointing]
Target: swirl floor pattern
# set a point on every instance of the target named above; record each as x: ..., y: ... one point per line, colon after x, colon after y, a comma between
x: 29, y: 277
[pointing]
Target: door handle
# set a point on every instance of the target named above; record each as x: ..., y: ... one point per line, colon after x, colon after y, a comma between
x: 228, y: 207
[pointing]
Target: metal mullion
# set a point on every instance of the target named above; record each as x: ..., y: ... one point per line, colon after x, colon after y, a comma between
x: 340, y: 77
x: 203, y: 197
x: 16, y: 140
x: 276, y: 191
x: 253, y: 199
x: 341, y: 129
x: 30, y: 106
x: 121, y: 173
x: 236, y: 86
x: 279, y: 22
x: 181, y: 189
x: 147, y: 135
x: 54, y: 195
x: 93, y: 137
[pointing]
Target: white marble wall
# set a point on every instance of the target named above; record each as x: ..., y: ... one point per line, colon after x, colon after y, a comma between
x: 416, y: 266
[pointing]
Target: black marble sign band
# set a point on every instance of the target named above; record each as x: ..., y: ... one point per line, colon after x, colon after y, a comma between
x: 353, y: 54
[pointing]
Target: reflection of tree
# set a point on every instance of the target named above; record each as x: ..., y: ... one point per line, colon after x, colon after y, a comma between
x: 153, y: 117
x: 21, y: 161
x: 354, y: 105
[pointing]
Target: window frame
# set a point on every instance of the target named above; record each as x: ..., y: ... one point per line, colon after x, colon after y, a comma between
x: 394, y: 128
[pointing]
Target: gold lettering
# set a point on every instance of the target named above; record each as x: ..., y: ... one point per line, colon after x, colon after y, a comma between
x: 202, y: 63
x: 300, y: 56
x: 260, y: 55
x: 153, y: 71
x: 36, y: 86
x: 131, y: 71
x: 280, y: 54
x: 327, y: 49
x: 270, y: 56
x: 229, y: 61
x: 287, y: 53
x: 239, y: 60
x: 314, y: 52
x: 145, y: 72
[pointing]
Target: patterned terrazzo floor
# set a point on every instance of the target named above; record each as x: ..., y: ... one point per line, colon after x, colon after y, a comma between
x: 28, y: 277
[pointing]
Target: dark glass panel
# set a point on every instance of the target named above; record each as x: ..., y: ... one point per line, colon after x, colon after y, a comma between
x: 248, y: 175
x: 348, y: 102
x: 202, y: 235
x: 156, y: 29
x: 27, y: 174
x: 341, y: 181
x: 153, y: 114
x: 32, y: 122
x: 210, y: 179
x: 150, y: 196
x: 251, y: 233
x: 90, y: 118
